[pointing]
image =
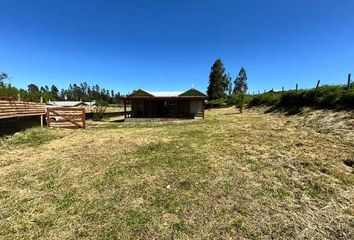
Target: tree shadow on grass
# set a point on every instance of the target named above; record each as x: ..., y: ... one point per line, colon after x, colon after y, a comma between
x: 117, y: 121
x: 235, y: 113
x: 293, y: 110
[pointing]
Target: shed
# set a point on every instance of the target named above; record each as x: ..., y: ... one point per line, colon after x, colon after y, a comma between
x: 172, y: 104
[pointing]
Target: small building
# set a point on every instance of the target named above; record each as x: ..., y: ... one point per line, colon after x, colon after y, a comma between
x: 145, y: 104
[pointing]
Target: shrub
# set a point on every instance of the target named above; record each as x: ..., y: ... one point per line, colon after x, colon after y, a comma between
x: 216, y: 103
x: 266, y: 99
x: 99, y: 111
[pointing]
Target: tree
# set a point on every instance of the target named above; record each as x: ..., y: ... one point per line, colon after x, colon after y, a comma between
x: 228, y: 88
x: 217, y: 81
x: 43, y: 90
x: 54, y: 90
x: 240, y: 88
x: 32, y: 88
x: 3, y: 76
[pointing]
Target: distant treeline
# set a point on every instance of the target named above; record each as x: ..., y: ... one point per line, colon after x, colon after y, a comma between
x: 75, y: 92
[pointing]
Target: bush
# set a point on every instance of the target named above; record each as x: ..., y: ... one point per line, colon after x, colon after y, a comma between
x: 216, y: 103
x: 99, y: 111
x: 266, y: 99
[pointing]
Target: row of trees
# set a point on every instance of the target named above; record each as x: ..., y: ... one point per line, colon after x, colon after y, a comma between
x: 75, y: 92
x: 221, y: 84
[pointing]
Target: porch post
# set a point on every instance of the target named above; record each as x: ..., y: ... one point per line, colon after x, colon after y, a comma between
x: 203, y: 108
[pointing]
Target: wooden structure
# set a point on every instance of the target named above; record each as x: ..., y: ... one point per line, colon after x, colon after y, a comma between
x: 14, y: 109
x: 66, y: 117
x: 144, y: 104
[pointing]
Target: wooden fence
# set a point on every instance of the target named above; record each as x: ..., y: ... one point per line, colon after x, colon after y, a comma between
x: 66, y: 117
x: 13, y: 108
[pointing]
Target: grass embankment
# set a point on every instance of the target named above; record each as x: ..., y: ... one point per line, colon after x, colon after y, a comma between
x: 253, y: 176
x: 325, y: 97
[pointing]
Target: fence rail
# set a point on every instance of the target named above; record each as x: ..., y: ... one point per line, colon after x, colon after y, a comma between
x: 12, y: 109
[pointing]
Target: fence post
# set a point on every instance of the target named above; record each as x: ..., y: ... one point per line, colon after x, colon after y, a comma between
x: 318, y: 83
x: 41, y: 100
x: 83, y: 117
x: 349, y: 79
x: 282, y: 89
x: 125, y: 109
x: 297, y: 86
x: 19, y: 97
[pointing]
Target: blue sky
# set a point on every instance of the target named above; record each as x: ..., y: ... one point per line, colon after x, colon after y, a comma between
x: 171, y: 45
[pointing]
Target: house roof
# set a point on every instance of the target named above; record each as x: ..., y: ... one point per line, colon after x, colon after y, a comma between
x: 165, y: 94
x: 69, y: 103
x: 192, y: 93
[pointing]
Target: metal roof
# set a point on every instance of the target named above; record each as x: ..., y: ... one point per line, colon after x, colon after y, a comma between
x: 69, y: 103
x: 143, y: 94
x: 166, y: 94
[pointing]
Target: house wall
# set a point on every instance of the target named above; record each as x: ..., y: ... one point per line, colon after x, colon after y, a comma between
x: 137, y: 108
x: 183, y: 109
x: 166, y: 108
x: 196, y: 106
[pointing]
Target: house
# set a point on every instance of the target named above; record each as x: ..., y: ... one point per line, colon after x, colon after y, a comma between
x: 185, y: 104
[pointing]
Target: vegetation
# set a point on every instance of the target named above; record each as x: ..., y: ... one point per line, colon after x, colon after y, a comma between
x: 99, y: 111
x: 75, y: 92
x: 220, y: 91
x: 3, y: 76
x: 327, y: 97
x: 231, y: 176
x: 218, y: 81
x: 241, y: 89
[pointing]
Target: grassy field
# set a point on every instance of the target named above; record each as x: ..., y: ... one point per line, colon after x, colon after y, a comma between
x: 250, y: 175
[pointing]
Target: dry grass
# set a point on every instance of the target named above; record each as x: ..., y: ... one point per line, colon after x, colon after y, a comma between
x: 254, y: 175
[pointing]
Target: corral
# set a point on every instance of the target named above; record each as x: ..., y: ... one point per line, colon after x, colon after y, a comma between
x: 12, y: 108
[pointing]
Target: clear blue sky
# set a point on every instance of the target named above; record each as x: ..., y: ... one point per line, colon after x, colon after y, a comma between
x: 170, y: 45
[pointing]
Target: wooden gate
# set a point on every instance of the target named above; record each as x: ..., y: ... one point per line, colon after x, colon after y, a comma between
x: 66, y: 117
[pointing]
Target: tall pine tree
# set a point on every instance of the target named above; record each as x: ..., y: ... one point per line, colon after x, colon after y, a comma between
x: 240, y: 82
x: 240, y: 88
x: 217, y: 81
